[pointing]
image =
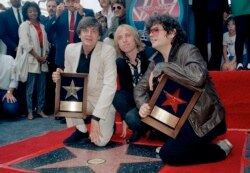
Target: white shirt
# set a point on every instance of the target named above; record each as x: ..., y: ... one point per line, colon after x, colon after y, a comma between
x: 15, y: 13
x: 6, y: 65
x: 109, y: 16
x: 230, y: 43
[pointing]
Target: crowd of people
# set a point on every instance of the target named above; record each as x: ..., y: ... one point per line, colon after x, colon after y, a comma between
x: 35, y: 49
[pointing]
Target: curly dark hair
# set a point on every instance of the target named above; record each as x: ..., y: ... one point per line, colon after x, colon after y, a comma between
x: 25, y: 8
x: 169, y: 23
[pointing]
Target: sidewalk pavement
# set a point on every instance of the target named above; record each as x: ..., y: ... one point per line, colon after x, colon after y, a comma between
x: 22, y: 128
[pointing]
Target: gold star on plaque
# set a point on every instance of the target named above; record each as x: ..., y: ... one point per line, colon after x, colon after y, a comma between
x: 72, y: 90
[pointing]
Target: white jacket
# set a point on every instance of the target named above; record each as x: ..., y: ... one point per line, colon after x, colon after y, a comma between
x: 28, y: 40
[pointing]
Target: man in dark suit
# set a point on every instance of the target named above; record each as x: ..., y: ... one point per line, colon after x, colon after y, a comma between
x: 9, y: 22
x: 208, y: 18
x: 50, y: 85
x: 61, y: 25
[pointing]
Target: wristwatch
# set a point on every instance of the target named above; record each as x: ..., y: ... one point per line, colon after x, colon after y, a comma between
x: 9, y: 92
x: 95, y: 118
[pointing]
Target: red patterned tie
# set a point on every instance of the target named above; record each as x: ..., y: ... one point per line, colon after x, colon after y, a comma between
x: 71, y: 28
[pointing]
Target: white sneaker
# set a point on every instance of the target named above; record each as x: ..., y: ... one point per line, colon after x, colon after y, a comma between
x: 240, y: 66
x: 225, y: 145
x: 248, y: 66
x: 157, y: 150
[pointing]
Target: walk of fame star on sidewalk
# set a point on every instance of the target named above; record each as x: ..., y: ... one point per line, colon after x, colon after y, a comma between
x: 113, y: 158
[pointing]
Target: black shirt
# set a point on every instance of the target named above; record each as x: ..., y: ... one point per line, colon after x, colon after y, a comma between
x: 83, y: 65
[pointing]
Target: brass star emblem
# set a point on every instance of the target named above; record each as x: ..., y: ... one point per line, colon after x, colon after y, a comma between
x: 72, y: 90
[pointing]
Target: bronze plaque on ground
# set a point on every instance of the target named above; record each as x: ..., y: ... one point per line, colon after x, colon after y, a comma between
x: 71, y: 95
x: 172, y: 103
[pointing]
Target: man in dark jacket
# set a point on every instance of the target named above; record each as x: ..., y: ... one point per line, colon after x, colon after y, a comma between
x: 183, y: 62
x: 208, y: 18
x: 64, y: 24
x: 9, y: 22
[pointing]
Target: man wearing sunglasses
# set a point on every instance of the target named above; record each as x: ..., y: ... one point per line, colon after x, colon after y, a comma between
x: 184, y: 62
x: 119, y: 9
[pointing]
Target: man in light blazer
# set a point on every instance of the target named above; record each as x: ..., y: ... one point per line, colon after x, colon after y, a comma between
x: 60, y: 24
x: 98, y: 60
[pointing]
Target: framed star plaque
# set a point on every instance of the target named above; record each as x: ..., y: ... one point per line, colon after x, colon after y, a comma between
x: 172, y: 103
x: 71, y: 95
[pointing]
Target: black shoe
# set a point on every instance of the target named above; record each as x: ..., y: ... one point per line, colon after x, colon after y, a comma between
x: 134, y: 137
x: 63, y: 121
x: 152, y: 135
x: 114, y: 127
x: 155, y: 134
x: 58, y: 118
x: 76, y: 137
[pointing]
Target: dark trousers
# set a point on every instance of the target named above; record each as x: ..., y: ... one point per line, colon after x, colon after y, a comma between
x: 123, y: 102
x: 125, y: 105
x: 10, y: 110
x: 243, y: 35
x: 20, y: 94
x: 133, y: 120
x: 50, y: 85
x: 188, y: 148
x: 209, y: 27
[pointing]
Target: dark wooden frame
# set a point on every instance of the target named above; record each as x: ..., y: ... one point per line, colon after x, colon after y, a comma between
x: 165, y: 128
x: 71, y: 114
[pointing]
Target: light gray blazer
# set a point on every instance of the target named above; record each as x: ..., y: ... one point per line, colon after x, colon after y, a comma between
x: 102, y: 75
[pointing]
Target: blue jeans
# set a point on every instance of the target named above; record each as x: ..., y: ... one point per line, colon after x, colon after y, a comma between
x: 242, y: 28
x: 9, y: 109
x: 188, y: 148
x: 38, y: 81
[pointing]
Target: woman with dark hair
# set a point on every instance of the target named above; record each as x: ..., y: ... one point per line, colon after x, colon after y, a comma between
x: 184, y: 63
x: 33, y: 41
x: 28, y: 8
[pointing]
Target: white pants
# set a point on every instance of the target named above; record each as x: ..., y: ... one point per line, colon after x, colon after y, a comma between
x: 106, y: 125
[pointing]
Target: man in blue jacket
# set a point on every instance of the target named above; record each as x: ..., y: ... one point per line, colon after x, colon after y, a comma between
x: 64, y: 24
x: 9, y: 22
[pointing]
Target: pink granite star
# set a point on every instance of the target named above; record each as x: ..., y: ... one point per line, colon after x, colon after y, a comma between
x: 113, y: 158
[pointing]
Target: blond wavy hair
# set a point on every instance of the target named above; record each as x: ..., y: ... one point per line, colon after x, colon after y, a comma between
x: 139, y: 44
